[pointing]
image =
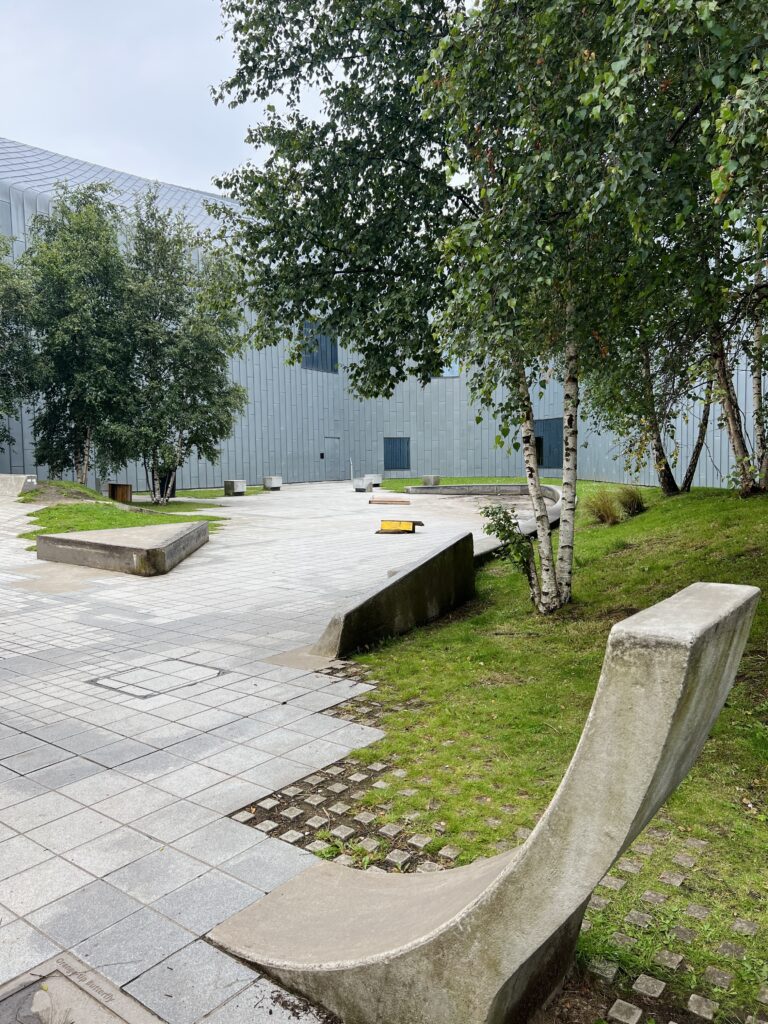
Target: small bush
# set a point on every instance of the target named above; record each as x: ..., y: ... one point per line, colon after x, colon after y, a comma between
x: 603, y: 507
x: 631, y: 499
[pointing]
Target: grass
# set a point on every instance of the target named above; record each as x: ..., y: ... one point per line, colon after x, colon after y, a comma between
x: 207, y: 492
x: 107, y: 515
x: 415, y: 481
x: 483, y: 713
x: 63, y: 489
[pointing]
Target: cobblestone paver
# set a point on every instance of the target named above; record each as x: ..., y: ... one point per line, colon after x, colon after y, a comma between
x: 137, y: 715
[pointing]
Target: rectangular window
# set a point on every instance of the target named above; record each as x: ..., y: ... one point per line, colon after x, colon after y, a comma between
x: 397, y: 453
x: 549, y: 442
x: 321, y: 352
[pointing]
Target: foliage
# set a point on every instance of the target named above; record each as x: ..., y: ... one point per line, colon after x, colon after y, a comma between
x: 483, y: 713
x: 631, y: 499
x: 182, y: 321
x: 76, y: 516
x: 338, y: 226
x: 604, y: 506
x: 75, y: 273
x: 502, y: 522
x: 15, y: 349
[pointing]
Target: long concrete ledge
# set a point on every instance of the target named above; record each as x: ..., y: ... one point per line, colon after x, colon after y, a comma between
x: 14, y: 484
x: 441, y: 581
x: 527, y: 526
x: 491, y: 942
x: 139, y: 550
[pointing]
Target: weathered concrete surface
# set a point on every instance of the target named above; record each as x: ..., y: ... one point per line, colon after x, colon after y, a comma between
x: 14, y: 484
x: 489, y: 943
x: 139, y: 550
x: 441, y: 581
x: 526, y: 522
x: 272, y: 483
x: 234, y: 488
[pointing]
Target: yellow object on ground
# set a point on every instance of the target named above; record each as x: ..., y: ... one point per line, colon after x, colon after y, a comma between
x: 399, y: 525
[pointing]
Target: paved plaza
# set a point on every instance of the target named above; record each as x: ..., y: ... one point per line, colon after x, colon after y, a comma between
x: 137, y: 714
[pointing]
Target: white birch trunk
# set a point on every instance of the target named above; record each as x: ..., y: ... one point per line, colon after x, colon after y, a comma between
x: 549, y: 595
x: 570, y: 464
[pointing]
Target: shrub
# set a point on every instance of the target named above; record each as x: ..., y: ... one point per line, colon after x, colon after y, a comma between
x: 630, y: 497
x: 603, y: 507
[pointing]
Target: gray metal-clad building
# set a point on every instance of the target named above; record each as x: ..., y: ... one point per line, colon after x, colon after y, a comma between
x: 301, y: 421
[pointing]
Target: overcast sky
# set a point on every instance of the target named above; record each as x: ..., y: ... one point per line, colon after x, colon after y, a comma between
x: 123, y: 83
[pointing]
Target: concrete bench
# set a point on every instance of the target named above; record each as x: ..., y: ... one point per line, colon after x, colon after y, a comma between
x: 234, y: 488
x: 138, y: 550
x: 491, y: 942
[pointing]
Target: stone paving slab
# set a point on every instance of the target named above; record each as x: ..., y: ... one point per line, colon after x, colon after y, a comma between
x: 136, y: 714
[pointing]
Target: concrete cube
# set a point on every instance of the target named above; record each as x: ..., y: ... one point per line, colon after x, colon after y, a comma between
x: 430, y: 481
x: 272, y: 483
x: 234, y: 488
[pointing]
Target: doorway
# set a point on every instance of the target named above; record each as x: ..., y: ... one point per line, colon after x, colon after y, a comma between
x: 332, y: 460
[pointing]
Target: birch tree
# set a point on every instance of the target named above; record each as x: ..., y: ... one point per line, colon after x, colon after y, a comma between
x: 75, y: 274
x: 182, y: 323
x: 15, y: 348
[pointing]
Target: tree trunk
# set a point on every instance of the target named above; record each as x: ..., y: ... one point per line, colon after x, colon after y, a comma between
x: 155, y: 481
x: 758, y: 401
x: 701, y: 437
x: 730, y: 403
x: 667, y: 480
x: 549, y: 595
x: 570, y: 461
x: 82, y: 464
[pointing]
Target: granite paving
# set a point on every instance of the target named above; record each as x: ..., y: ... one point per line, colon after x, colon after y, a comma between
x: 138, y: 715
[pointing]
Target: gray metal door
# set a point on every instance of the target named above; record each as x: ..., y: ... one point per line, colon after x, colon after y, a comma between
x: 332, y: 459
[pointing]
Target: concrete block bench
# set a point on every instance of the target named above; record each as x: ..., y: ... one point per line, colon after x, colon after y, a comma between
x: 138, y: 550
x: 491, y: 942
x: 234, y: 488
x: 14, y: 484
x: 272, y: 483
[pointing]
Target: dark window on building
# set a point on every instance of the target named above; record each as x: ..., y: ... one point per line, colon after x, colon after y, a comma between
x: 321, y: 352
x: 397, y: 453
x: 549, y: 442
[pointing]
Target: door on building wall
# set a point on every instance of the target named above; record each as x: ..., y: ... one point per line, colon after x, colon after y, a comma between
x: 332, y: 458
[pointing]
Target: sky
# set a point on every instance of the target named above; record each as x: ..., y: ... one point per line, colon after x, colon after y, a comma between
x: 122, y: 83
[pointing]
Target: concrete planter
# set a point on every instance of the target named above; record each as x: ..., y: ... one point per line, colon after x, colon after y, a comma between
x: 234, y: 488
x: 272, y: 483
x: 430, y: 481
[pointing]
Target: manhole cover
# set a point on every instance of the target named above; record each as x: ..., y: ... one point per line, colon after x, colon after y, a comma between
x: 65, y: 991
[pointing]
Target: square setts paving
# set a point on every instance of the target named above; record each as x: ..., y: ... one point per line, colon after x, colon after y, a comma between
x: 137, y: 714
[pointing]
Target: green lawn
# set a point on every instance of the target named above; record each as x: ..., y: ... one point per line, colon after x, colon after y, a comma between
x: 71, y: 518
x: 483, y: 713
x: 206, y: 492
x: 415, y: 481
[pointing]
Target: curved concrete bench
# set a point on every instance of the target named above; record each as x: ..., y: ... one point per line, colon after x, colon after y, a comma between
x: 491, y: 942
x: 527, y: 526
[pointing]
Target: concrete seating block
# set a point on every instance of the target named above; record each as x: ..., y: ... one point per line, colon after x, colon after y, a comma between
x: 234, y: 488
x: 272, y: 483
x: 430, y: 481
x: 140, y: 550
x: 14, y: 484
x: 359, y: 484
x: 490, y: 943
x: 374, y: 479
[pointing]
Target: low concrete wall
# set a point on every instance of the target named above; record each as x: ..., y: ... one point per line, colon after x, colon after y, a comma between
x: 14, y: 484
x: 527, y: 526
x: 140, y: 551
x: 422, y: 592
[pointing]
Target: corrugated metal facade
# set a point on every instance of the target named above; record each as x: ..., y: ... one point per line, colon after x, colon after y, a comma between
x: 296, y: 413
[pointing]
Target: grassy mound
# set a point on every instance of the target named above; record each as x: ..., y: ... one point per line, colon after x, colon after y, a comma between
x: 50, y: 491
